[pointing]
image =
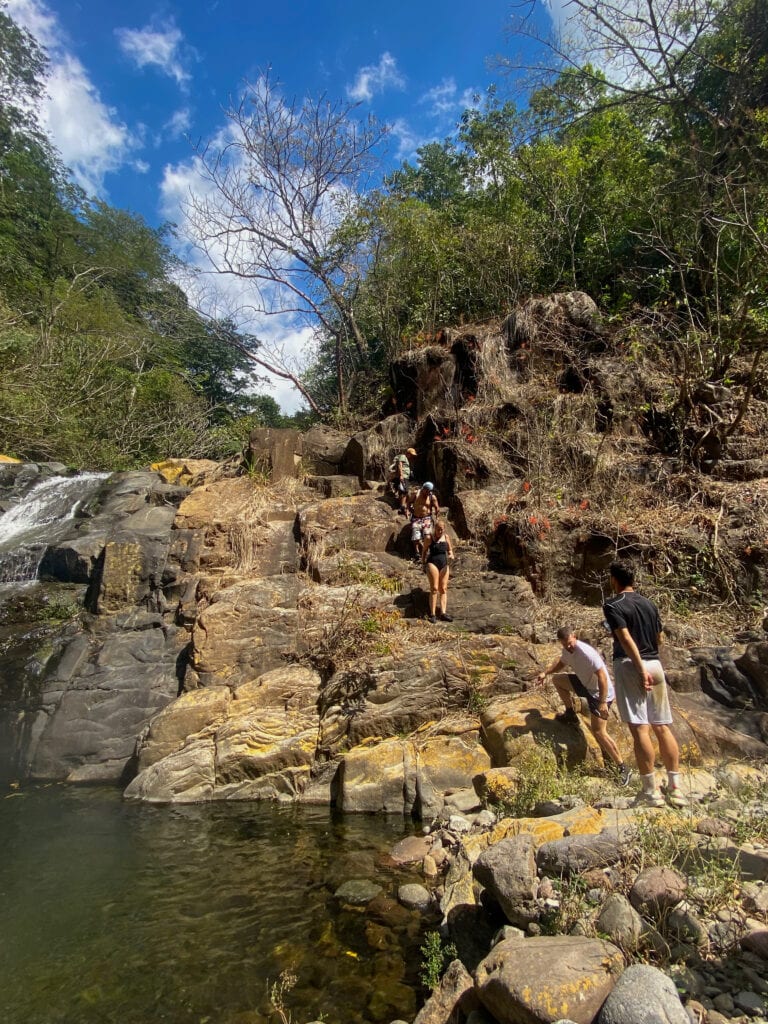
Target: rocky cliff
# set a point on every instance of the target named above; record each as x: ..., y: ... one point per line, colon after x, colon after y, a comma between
x: 260, y: 633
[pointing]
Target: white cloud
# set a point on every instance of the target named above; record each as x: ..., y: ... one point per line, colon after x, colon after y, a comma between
x: 556, y: 9
x: 444, y: 100
x: 408, y: 140
x: 162, y: 48
x: 375, y: 78
x: 87, y: 132
x: 227, y: 295
x: 180, y: 123
x: 441, y: 99
x: 36, y: 18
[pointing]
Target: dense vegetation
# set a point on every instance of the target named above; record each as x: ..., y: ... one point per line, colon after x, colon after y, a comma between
x: 637, y: 171
x: 104, y: 362
x: 644, y: 184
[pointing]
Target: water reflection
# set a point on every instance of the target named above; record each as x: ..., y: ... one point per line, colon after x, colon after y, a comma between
x: 113, y: 912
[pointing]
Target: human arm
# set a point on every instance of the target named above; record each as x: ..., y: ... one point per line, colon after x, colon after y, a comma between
x: 602, y: 688
x: 550, y: 670
x: 629, y: 647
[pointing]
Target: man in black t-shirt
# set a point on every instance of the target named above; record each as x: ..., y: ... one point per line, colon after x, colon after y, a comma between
x: 641, y: 687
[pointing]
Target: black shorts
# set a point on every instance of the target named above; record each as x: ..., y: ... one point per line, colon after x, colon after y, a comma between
x: 580, y: 689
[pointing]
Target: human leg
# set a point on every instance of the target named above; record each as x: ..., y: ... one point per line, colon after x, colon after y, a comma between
x: 668, y: 748
x: 643, y: 744
x: 416, y: 537
x: 433, y: 575
x: 599, y: 729
x: 443, y: 591
x: 562, y: 684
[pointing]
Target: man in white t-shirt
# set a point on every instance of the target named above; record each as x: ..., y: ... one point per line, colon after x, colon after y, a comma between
x: 588, y: 679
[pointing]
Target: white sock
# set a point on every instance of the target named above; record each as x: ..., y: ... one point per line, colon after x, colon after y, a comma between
x: 649, y: 782
x: 673, y: 780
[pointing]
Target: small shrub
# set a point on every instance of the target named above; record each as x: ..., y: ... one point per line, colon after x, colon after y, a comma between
x: 277, y: 993
x: 573, y: 907
x: 350, y: 572
x: 436, y: 957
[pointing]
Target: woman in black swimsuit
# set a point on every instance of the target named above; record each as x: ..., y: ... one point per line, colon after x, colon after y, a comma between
x: 435, y: 561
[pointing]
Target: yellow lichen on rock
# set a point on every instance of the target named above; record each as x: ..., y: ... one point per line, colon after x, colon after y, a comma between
x: 183, y: 471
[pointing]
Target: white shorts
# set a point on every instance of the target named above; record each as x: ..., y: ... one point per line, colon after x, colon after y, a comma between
x: 421, y: 527
x: 635, y: 704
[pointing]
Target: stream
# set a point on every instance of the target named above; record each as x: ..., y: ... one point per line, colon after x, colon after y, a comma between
x: 118, y: 913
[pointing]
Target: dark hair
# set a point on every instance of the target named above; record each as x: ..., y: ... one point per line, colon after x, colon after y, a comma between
x: 622, y: 573
x: 564, y: 632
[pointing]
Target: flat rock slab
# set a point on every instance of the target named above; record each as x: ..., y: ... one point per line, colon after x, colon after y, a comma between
x: 411, y: 850
x: 580, y: 973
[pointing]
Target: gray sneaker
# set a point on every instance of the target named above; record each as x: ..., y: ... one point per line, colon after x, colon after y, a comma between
x: 654, y: 799
x: 675, y: 798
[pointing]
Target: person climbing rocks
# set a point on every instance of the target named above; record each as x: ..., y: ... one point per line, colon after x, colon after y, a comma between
x: 424, y: 512
x: 641, y: 686
x: 435, y: 558
x: 589, y: 679
x: 398, y: 476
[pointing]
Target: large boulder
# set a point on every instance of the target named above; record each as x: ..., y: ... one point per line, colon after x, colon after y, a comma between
x: 235, y: 522
x: 573, y: 855
x: 350, y: 524
x: 275, y: 453
x: 580, y: 973
x: 392, y: 695
x: 508, y: 872
x: 95, y: 696
x: 324, y: 449
x: 408, y: 776
x: 256, y: 742
x: 548, y: 323
x: 246, y: 629
x: 369, y: 453
x: 134, y: 560
x: 511, y: 724
x: 424, y: 381
x: 643, y: 993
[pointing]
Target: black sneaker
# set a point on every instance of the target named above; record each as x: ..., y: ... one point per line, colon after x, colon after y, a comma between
x: 445, y: 617
x: 568, y: 717
x: 625, y: 775
x: 431, y: 618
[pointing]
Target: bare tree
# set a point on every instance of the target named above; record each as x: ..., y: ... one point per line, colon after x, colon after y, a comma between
x: 278, y: 212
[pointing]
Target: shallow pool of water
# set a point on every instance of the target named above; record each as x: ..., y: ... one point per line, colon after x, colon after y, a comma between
x: 116, y: 912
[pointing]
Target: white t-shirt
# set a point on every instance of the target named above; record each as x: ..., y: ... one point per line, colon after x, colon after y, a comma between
x: 586, y: 663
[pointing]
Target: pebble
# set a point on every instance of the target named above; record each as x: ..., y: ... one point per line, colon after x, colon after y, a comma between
x: 459, y: 823
x: 414, y: 897
x: 724, y: 1003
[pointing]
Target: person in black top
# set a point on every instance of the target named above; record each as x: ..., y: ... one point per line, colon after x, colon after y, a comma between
x: 641, y: 687
x: 435, y: 557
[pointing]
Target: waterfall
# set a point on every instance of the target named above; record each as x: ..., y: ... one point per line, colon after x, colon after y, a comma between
x: 41, y: 516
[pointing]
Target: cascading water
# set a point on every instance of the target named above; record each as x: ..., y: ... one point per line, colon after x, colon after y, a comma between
x: 40, y: 517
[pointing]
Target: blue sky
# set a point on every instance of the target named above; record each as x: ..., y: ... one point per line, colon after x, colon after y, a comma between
x: 132, y: 83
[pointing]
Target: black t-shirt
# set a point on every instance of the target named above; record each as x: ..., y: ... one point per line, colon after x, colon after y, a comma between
x: 640, y: 616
